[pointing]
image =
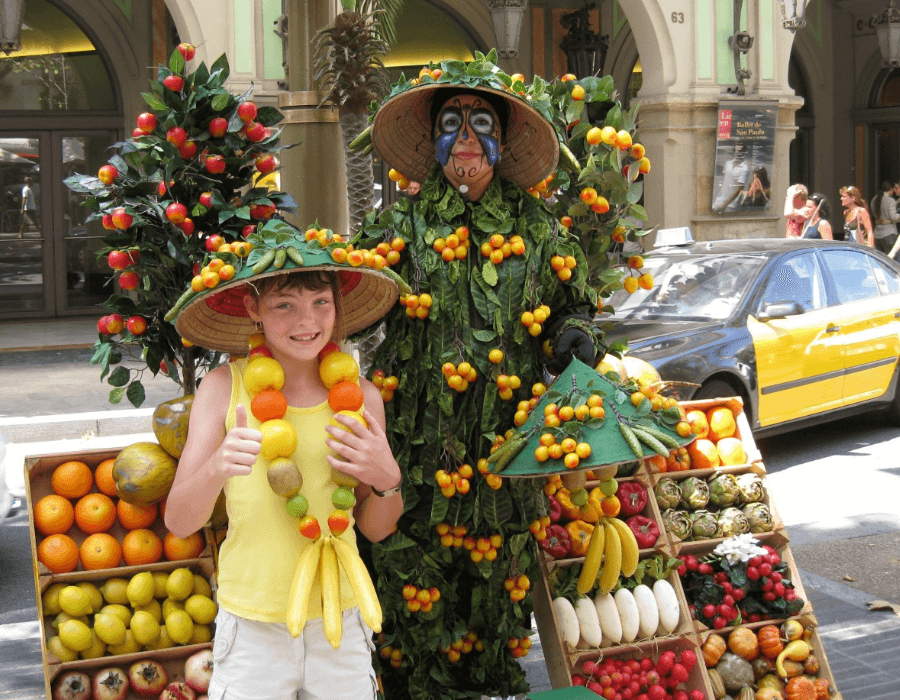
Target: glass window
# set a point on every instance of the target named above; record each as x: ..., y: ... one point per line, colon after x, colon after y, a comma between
x: 796, y: 279
x: 887, y: 278
x: 852, y: 275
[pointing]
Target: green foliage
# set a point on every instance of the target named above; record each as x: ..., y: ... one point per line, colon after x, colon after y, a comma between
x: 152, y: 174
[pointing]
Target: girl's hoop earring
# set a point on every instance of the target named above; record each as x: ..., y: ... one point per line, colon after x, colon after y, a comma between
x: 259, y: 327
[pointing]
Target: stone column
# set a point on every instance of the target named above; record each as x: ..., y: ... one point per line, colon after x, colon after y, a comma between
x: 313, y: 170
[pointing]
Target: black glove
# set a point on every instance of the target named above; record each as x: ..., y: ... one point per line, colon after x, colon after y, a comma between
x: 572, y: 336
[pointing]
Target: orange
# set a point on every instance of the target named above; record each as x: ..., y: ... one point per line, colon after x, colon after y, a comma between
x: 610, y: 506
x: 268, y: 404
x: 100, y: 551
x: 72, y: 479
x: 95, y: 513
x: 53, y: 515
x: 703, y: 454
x: 721, y: 423
x: 699, y: 424
x: 345, y: 396
x: 141, y: 547
x: 177, y: 549
x: 104, y: 479
x: 135, y: 517
x: 59, y: 553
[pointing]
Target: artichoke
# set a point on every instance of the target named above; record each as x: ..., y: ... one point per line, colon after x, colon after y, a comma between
x: 723, y: 490
x: 677, y: 523
x: 751, y: 488
x: 732, y: 522
x: 759, y: 517
x: 704, y: 525
x: 694, y: 493
x: 667, y: 493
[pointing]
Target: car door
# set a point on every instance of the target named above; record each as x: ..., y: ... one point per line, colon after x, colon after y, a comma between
x: 799, y: 361
x: 868, y: 295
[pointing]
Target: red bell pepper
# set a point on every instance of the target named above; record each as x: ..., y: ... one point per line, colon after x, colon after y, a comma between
x: 646, y: 532
x: 555, y: 509
x: 632, y: 498
x: 557, y: 543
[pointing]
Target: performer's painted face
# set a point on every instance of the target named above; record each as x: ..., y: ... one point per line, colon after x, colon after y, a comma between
x: 467, y: 141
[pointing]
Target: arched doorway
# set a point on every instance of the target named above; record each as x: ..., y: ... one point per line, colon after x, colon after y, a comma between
x: 60, y: 113
x: 884, y: 151
x: 802, y: 168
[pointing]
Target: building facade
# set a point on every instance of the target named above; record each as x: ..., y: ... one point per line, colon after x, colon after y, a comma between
x: 75, y: 89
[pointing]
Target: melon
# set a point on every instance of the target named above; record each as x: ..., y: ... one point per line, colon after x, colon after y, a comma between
x: 170, y: 424
x: 144, y: 473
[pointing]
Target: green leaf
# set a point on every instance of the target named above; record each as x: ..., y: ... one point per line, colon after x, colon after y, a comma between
x: 269, y: 116
x: 221, y: 100
x: 119, y: 377
x: 485, y: 336
x: 136, y: 394
x: 496, y: 507
x: 176, y: 62
x: 154, y: 102
x: 116, y: 395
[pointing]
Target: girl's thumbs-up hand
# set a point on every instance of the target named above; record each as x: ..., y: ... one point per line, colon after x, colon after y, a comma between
x: 240, y: 447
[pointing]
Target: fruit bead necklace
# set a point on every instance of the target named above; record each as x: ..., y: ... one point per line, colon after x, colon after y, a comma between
x: 263, y: 380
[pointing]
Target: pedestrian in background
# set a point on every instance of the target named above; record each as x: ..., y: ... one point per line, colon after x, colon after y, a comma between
x: 884, y: 208
x: 795, y: 210
x: 29, y: 207
x: 818, y: 226
x: 857, y: 220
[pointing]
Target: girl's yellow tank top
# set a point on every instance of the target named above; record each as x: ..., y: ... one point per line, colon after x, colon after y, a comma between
x: 262, y: 546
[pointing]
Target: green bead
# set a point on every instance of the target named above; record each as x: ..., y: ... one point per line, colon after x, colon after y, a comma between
x: 343, y: 498
x: 579, y: 497
x: 297, y: 506
x: 609, y: 487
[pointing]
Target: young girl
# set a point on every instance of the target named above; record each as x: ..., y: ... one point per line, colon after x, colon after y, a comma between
x: 229, y: 448
x: 795, y: 211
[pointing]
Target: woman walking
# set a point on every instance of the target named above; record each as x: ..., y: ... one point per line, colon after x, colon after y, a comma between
x: 857, y: 222
x: 818, y: 226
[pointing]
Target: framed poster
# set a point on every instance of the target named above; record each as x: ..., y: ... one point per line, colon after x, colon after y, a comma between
x: 745, y: 156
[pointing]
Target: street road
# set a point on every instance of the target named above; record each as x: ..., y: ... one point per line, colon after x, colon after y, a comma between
x: 836, y: 488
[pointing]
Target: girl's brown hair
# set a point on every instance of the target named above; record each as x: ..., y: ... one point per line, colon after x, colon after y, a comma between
x: 309, y: 280
x: 855, y: 196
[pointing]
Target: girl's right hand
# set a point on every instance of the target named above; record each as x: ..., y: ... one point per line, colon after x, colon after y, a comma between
x: 240, y: 448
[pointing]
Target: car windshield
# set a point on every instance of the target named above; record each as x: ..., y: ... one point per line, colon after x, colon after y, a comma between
x: 695, y: 288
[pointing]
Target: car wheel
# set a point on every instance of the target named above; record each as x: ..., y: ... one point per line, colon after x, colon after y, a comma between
x: 715, y: 389
x: 893, y: 413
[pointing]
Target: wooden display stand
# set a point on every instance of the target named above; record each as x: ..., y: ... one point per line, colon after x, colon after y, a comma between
x: 37, y: 485
x: 563, y: 661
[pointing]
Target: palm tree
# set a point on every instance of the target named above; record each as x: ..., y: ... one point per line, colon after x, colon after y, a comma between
x: 349, y: 67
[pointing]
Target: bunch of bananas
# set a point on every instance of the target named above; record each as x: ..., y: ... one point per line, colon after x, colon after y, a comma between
x: 613, y: 545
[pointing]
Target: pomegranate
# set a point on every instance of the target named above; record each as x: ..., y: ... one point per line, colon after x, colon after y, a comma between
x: 198, y: 670
x: 72, y: 686
x: 147, y: 677
x: 111, y: 684
x: 178, y: 691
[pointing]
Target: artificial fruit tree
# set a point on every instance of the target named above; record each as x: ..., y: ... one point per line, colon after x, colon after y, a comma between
x: 184, y: 185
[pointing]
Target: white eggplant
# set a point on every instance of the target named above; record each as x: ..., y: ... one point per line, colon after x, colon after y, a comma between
x: 667, y: 604
x: 567, y: 621
x: 628, y: 613
x: 608, y: 614
x: 648, y: 611
x: 588, y: 622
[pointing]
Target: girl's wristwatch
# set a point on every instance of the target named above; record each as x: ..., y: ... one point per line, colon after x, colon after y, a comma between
x: 390, y: 492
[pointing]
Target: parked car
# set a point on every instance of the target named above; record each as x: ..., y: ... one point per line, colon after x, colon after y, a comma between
x: 804, y: 331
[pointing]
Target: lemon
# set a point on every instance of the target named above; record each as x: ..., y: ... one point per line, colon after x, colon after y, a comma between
x: 337, y: 367
x: 201, y: 609
x: 64, y: 616
x: 120, y: 611
x: 201, y: 586
x: 74, y: 601
x: 180, y: 584
x: 96, y: 649
x: 202, y: 634
x: 109, y: 628
x: 140, y: 588
x: 76, y: 635
x: 162, y: 642
x: 169, y: 606
x: 279, y: 438
x: 93, y: 594
x: 114, y: 591
x: 264, y: 373
x: 55, y: 646
x: 159, y: 583
x: 129, y: 646
x: 355, y: 415
x: 153, y: 607
x: 180, y: 627
x: 144, y: 627
x: 50, y: 599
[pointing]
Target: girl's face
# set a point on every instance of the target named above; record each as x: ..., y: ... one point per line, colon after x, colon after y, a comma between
x: 297, y: 322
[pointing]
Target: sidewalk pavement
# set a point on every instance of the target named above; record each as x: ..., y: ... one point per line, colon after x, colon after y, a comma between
x: 861, y: 645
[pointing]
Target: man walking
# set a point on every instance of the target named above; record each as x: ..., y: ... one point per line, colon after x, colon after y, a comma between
x: 886, y: 218
x: 29, y: 207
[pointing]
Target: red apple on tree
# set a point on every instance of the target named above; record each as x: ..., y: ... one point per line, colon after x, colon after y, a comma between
x: 118, y: 259
x: 107, y: 222
x: 174, y: 82
x: 111, y: 684
x: 215, y: 164
x: 256, y: 132
x: 121, y: 218
x: 176, y: 136
x: 248, y: 229
x: 137, y: 325
x: 188, y: 150
x: 247, y: 111
x: 137, y: 133
x: 186, y: 50
x: 176, y: 212
x: 146, y: 122
x: 261, y: 211
x: 103, y: 325
x: 206, y: 199
x: 218, y: 127
x: 134, y: 255
x: 128, y: 280
x: 115, y: 323
x: 266, y: 163
x: 213, y: 242
x: 164, y: 368
x: 187, y: 226
x: 107, y: 174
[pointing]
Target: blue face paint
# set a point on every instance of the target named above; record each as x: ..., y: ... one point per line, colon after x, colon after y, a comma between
x: 491, y: 148
x: 443, y: 146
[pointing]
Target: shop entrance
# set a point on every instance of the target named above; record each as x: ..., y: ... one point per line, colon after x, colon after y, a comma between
x: 48, y: 263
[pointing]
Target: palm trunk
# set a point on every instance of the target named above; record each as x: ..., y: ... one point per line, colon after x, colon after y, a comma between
x: 360, y: 182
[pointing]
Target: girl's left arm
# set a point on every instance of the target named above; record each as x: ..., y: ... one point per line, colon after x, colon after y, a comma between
x: 366, y: 454
x: 866, y: 223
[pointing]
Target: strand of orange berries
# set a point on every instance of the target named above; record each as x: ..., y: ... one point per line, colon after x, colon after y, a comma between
x: 534, y: 320
x: 632, y: 282
x: 455, y: 246
x: 497, y: 248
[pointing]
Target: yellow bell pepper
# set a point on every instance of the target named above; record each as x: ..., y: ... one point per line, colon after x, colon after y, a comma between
x: 580, y: 535
x: 590, y: 512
